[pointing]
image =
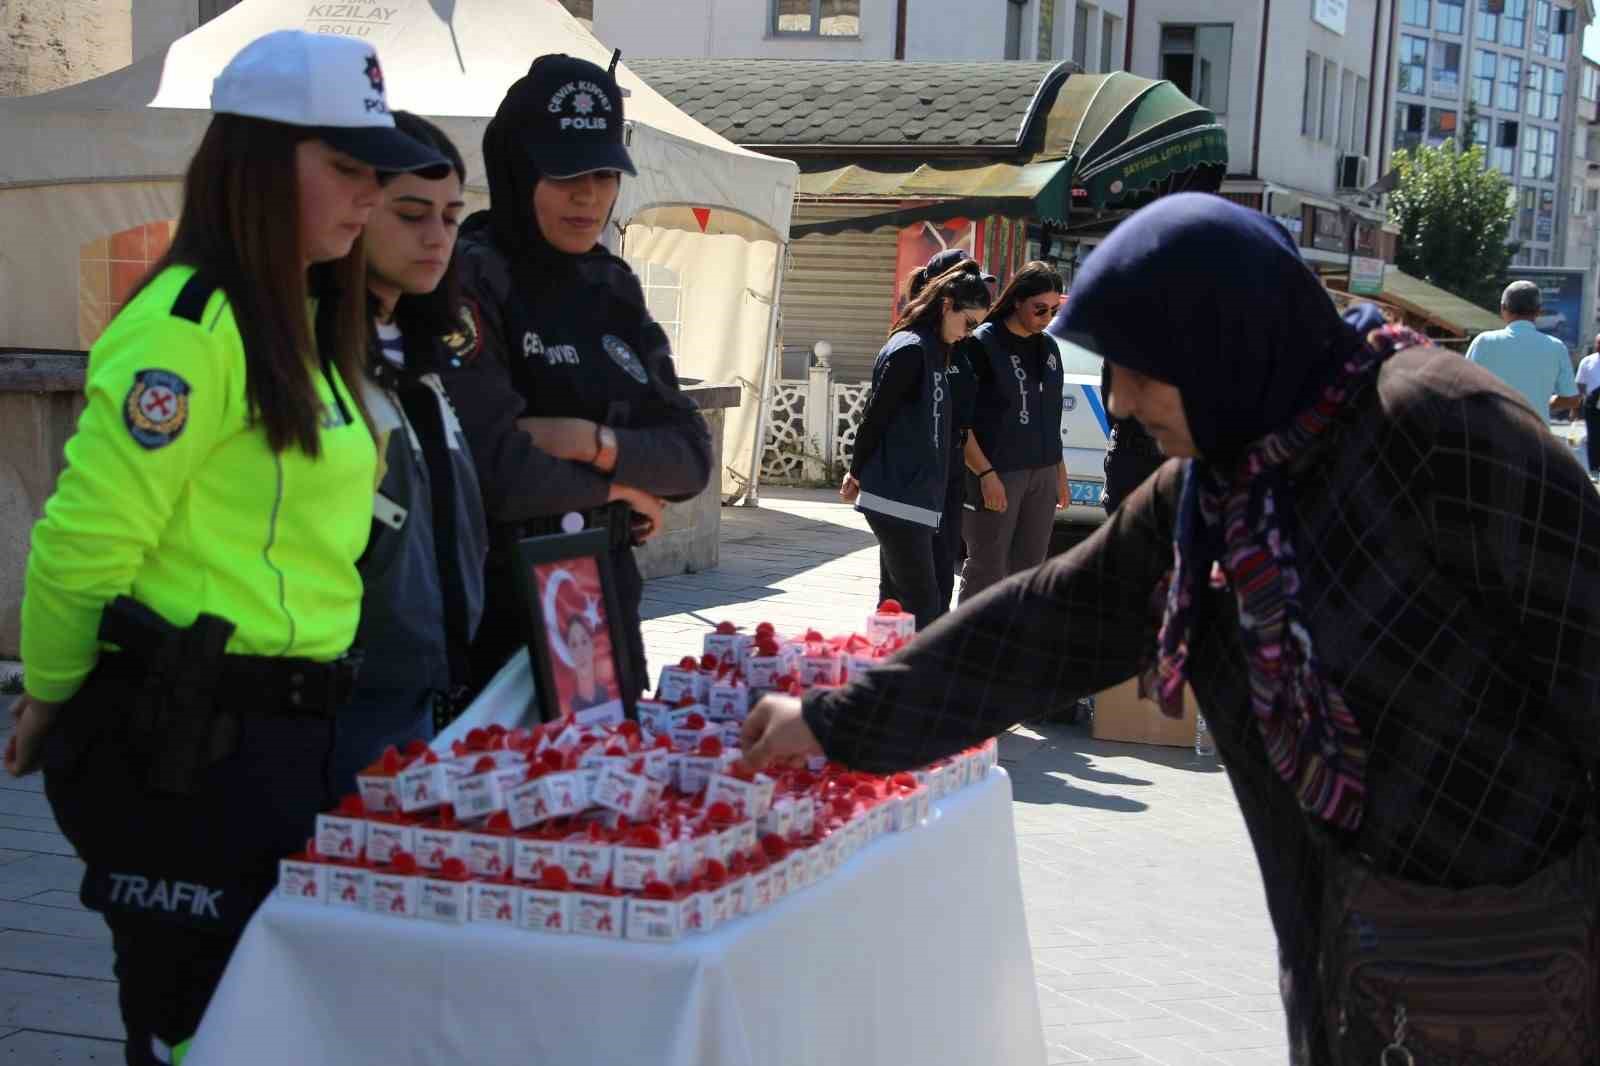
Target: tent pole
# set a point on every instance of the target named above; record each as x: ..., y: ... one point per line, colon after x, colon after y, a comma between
x: 752, y: 493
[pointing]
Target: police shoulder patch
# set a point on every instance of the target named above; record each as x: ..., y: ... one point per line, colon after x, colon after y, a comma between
x: 466, y: 342
x: 623, y: 356
x: 156, y: 408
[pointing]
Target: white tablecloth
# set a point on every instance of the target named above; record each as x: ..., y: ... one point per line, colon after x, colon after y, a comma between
x: 916, y: 951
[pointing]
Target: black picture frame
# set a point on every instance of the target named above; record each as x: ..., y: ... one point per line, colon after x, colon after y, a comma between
x: 534, y: 552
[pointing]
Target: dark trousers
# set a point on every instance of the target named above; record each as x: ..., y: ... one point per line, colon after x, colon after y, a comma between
x: 177, y: 877
x: 1002, y: 543
x: 374, y: 719
x: 504, y: 629
x: 949, y: 546
x: 1591, y: 423
x: 906, y: 561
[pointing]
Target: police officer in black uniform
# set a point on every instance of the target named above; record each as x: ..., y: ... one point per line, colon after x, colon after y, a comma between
x: 567, y: 391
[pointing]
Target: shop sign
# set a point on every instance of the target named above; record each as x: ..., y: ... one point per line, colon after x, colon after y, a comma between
x: 1366, y: 276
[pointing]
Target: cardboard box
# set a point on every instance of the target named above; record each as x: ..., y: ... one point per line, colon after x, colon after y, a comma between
x: 1119, y: 714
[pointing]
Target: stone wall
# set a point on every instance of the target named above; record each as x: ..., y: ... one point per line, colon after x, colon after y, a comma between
x: 50, y: 44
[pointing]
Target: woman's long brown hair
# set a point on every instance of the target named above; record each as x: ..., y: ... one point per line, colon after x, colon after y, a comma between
x: 966, y: 290
x: 240, y: 226
x: 1034, y: 279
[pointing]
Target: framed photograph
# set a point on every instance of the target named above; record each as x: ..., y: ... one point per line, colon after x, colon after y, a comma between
x: 574, y: 627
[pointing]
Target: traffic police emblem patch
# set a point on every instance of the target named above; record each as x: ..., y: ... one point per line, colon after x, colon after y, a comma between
x: 623, y: 356
x: 157, y: 408
x: 465, y: 343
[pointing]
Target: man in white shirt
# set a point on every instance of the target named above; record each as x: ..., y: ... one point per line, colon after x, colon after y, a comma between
x: 1587, y: 377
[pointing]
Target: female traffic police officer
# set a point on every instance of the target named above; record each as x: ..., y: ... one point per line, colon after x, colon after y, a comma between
x: 566, y: 391
x: 216, y: 495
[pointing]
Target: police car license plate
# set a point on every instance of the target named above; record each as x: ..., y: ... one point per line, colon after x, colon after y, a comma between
x: 1084, y: 493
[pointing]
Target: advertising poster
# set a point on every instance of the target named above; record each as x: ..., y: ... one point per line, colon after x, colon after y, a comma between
x: 923, y: 241
x: 578, y: 634
x: 1561, y: 293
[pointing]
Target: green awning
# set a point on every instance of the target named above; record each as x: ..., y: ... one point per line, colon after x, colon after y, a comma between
x: 1107, y: 140
x: 1125, y: 136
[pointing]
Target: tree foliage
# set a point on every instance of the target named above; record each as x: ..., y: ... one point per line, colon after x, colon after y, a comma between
x: 1454, y: 216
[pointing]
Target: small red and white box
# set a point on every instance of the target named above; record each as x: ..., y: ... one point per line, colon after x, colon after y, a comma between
x: 764, y: 665
x: 738, y: 887
x: 394, y: 889
x: 547, y: 907
x: 725, y: 642
x: 567, y: 792
x: 758, y: 896
x: 659, y: 765
x: 528, y: 803
x: 379, y: 783
x: 424, y: 785
x: 607, y: 714
x: 349, y: 886
x: 497, y: 902
x: 857, y: 664
x: 728, y: 700
x: 342, y: 833
x: 444, y: 895
x: 832, y: 848
x: 599, y: 911
x: 805, y: 814
x: 696, y: 769
x: 303, y: 877
x: 679, y: 680
x: 822, y: 667
x: 655, y: 716
x: 587, y: 860
x: 478, y: 793
x: 388, y: 834
x: 778, y: 867
x: 487, y: 850
x: 695, y: 909
x: 749, y: 796
x: 816, y: 862
x: 532, y: 855
x: 779, y: 818
x: 437, y: 845
x: 655, y: 916
x: 642, y: 858
x: 630, y: 794
x: 889, y: 622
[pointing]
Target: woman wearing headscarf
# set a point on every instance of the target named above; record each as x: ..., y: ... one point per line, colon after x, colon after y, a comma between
x: 566, y: 389
x: 1379, y: 572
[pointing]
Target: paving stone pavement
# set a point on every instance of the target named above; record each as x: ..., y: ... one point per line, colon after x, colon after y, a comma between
x: 1149, y: 932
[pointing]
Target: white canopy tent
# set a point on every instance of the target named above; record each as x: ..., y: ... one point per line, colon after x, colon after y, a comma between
x: 81, y: 164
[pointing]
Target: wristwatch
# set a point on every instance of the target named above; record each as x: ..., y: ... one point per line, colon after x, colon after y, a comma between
x: 605, y: 449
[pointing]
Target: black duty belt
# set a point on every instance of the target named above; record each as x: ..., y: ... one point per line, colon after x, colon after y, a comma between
x: 260, y: 684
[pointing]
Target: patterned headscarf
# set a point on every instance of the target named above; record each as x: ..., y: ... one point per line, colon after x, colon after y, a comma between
x: 1214, y: 299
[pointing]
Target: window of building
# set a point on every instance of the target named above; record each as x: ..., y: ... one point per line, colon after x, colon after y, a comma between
x: 1480, y: 134
x: 1448, y: 16
x: 1560, y: 27
x: 1330, y: 101
x: 1347, y: 99
x: 1514, y: 23
x: 1503, y: 157
x: 582, y: 10
x: 1527, y: 198
x: 1197, y: 59
x: 1508, y: 95
x: 1447, y: 70
x: 1108, y: 44
x: 1311, y: 99
x: 1408, y: 123
x: 817, y: 18
x: 1489, y: 19
x: 1045, y: 49
x: 1541, y: 257
x: 1413, y: 64
x: 1359, y: 133
x: 1483, y: 78
x: 1555, y: 93
x: 1535, y: 90
x: 1591, y: 200
x: 1080, y: 36
x: 1541, y: 27
x: 1544, y: 227
x: 1414, y: 12
x: 1441, y: 126
x: 1591, y: 82
x: 1530, y: 154
x: 1013, y: 30
x: 1547, y: 155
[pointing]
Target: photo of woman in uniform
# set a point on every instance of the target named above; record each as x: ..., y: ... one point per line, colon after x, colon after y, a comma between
x: 576, y: 633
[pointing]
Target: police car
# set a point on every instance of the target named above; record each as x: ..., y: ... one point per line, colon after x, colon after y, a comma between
x: 1085, y: 429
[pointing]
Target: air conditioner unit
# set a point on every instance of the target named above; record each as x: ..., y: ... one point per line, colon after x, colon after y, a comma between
x: 1351, y: 172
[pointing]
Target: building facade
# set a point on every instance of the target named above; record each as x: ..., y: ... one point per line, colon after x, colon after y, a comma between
x: 1091, y: 35
x: 1583, y: 224
x: 1505, y: 75
x: 1299, y: 88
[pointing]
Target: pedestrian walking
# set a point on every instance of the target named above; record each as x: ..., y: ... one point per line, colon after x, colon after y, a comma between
x: 949, y: 549
x: 1587, y: 379
x: 1377, y: 568
x: 422, y: 572
x: 1533, y: 363
x: 1016, y: 476
x: 899, y: 470
x: 567, y: 390
x: 192, y: 588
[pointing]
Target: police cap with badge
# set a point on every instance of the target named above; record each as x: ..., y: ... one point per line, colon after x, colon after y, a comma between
x: 566, y: 114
